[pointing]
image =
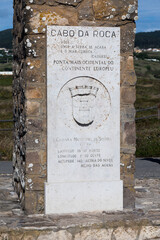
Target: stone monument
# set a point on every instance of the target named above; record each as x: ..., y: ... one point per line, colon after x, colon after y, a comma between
x: 83, y: 103
x: 74, y: 93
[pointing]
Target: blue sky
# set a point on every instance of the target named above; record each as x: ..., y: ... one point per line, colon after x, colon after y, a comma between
x: 6, y: 14
x: 149, y: 15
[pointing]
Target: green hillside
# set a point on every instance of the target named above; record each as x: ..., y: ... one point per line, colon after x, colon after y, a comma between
x: 6, y: 39
x: 148, y: 40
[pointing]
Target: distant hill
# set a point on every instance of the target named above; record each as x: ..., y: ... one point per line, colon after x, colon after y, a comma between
x: 148, y: 40
x: 6, y: 39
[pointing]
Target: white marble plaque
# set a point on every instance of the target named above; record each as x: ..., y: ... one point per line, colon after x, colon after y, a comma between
x: 83, y: 119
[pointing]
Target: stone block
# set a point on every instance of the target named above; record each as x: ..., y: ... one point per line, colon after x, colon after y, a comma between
x: 44, y: 140
x: 30, y: 202
x: 127, y: 37
x: 95, y: 234
x: 127, y: 164
x: 129, y: 134
x: 34, y: 92
x: 30, y: 236
x: 43, y: 154
x: 128, y: 179
x: 33, y: 108
x: 37, y: 2
x: 60, y: 235
x: 15, y: 235
x: 33, y: 140
x: 69, y: 2
x: 149, y: 232
x: 40, y: 204
x: 129, y: 197
x: 35, y: 46
x: 118, y: 10
x: 36, y: 163
x: 128, y: 95
x: 122, y: 233
x: 128, y: 149
x: 128, y: 78
x: 50, y: 16
x: 85, y: 11
x: 127, y: 113
x: 33, y: 166
x: 35, y: 64
x: 35, y: 182
x: 130, y: 63
x: 4, y: 236
x: 34, y: 125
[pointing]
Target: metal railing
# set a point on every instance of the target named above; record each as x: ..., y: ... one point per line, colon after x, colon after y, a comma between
x: 157, y: 115
x: 138, y: 110
x: 6, y: 129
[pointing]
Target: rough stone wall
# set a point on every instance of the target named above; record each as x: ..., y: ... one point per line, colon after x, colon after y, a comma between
x: 30, y: 20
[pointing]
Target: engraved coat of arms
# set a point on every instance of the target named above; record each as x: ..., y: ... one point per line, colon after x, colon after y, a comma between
x: 83, y: 104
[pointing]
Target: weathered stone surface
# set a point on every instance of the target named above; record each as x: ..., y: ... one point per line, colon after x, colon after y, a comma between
x: 34, y: 125
x: 128, y: 76
x: 33, y: 108
x: 85, y: 11
x: 125, y: 234
x: 149, y: 232
x: 127, y: 164
x: 128, y: 179
x: 129, y: 137
x: 38, y: 2
x: 33, y: 163
x: 40, y: 199
x: 30, y: 237
x: 99, y: 234
x: 35, y: 182
x: 69, y: 2
x: 127, y: 38
x: 127, y: 113
x: 130, y: 63
x: 35, y: 46
x: 33, y: 140
x: 115, y: 9
x: 61, y: 235
x: 128, y: 95
x: 147, y: 195
x: 129, y: 200
x: 51, y: 16
x: 34, y: 93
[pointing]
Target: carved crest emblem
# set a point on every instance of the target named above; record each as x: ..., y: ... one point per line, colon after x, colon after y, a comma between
x: 83, y: 104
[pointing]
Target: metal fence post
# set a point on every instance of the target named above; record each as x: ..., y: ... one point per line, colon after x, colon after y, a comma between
x: 159, y: 111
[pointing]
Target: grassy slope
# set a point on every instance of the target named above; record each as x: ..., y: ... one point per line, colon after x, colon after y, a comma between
x: 5, y: 67
x: 148, y: 95
x: 6, y: 137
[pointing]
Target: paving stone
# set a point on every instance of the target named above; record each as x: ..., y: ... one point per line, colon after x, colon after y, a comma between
x: 126, y: 225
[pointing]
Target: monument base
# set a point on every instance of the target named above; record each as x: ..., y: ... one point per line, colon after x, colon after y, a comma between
x: 76, y: 197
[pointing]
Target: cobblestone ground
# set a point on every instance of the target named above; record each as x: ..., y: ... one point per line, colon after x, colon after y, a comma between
x: 140, y: 224
x: 9, y: 203
x: 147, y: 194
